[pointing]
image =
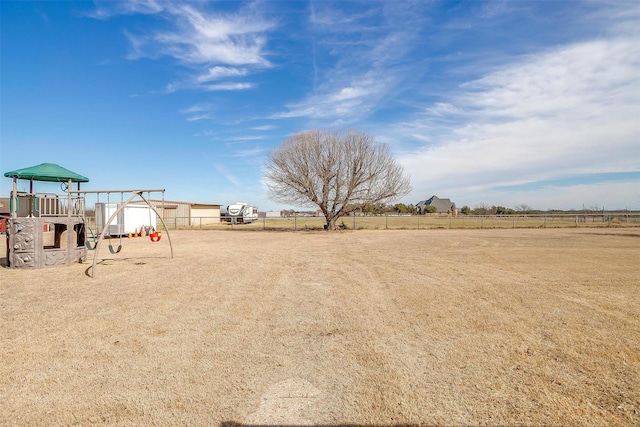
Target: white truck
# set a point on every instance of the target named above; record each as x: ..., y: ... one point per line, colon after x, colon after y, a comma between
x: 241, y: 213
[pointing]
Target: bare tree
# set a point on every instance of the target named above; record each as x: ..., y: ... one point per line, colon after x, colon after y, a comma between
x: 524, y: 208
x: 335, y: 172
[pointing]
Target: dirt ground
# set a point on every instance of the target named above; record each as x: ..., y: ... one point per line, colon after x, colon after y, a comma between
x: 369, y: 328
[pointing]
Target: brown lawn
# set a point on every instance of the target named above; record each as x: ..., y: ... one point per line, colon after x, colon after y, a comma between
x: 375, y: 328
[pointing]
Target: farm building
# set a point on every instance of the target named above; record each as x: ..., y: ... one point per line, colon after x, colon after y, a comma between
x: 201, y: 214
x: 187, y: 214
x: 441, y: 205
x: 4, y: 213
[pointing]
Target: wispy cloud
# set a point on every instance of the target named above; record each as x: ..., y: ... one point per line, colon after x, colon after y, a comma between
x: 227, y: 86
x: 106, y: 8
x: 224, y: 171
x: 344, y: 104
x: 207, y: 38
x: 370, y: 44
x: 264, y: 127
x: 198, y: 112
x: 249, y: 152
x: 245, y: 138
x: 218, y: 72
x: 216, y: 46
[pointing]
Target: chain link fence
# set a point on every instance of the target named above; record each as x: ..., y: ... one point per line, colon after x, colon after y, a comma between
x: 419, y: 222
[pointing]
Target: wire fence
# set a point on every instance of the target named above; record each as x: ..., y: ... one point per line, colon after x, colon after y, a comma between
x: 417, y: 222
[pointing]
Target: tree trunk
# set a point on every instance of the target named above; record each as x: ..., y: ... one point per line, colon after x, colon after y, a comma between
x: 331, y: 224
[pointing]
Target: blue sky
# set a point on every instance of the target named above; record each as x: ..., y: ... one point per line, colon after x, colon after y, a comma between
x: 499, y: 103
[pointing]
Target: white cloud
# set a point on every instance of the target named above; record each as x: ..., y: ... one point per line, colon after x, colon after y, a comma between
x: 218, y: 72
x: 196, y: 109
x: 228, y: 86
x: 324, y: 14
x: 224, y: 171
x: 249, y: 152
x: 348, y: 93
x: 198, y: 117
x: 264, y: 127
x: 229, y: 45
x: 246, y: 138
x: 108, y: 8
x: 208, y: 38
x: 568, y: 111
x: 198, y: 112
x: 370, y: 47
x: 343, y: 102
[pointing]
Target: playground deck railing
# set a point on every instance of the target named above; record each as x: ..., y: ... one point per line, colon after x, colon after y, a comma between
x: 49, y: 205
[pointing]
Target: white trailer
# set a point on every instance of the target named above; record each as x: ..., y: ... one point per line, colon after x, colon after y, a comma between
x: 129, y: 220
x: 241, y: 213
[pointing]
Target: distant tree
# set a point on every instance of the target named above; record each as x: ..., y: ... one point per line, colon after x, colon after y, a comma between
x: 483, y: 209
x: 429, y: 209
x: 372, y: 208
x: 524, y: 208
x: 465, y: 210
x: 501, y: 210
x: 335, y: 171
x: 401, y: 208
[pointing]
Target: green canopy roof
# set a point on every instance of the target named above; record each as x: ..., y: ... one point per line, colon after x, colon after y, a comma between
x: 46, y: 172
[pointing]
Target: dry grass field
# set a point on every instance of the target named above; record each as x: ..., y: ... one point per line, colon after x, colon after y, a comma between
x: 372, y: 328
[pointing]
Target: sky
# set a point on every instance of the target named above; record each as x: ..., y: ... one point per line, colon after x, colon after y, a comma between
x: 504, y: 103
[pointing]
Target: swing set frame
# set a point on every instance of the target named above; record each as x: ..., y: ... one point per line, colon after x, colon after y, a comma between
x: 123, y: 204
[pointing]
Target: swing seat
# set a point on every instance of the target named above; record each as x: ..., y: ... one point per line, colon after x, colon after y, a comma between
x: 88, y: 241
x: 155, y: 236
x: 114, y: 251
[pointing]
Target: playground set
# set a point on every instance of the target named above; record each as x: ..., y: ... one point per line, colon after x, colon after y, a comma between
x: 49, y: 230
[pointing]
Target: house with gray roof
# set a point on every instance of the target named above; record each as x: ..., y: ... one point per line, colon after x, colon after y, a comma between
x: 441, y: 205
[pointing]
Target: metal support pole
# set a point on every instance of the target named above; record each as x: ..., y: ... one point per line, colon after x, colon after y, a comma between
x: 113, y: 215
x: 14, y: 199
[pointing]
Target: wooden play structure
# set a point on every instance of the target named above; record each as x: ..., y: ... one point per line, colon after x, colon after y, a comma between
x: 48, y: 230
x: 45, y: 230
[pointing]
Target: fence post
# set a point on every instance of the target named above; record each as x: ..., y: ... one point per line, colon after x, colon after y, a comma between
x: 450, y: 219
x: 264, y: 218
x: 354, y: 220
x: 295, y: 221
x: 386, y: 221
x: 545, y: 222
